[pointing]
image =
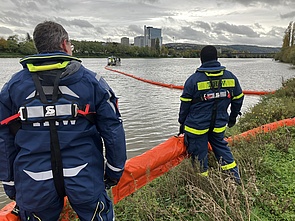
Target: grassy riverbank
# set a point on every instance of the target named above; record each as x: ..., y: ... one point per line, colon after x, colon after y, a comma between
x: 267, y: 166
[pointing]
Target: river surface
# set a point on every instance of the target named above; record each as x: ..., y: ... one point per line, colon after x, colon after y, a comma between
x: 150, y: 112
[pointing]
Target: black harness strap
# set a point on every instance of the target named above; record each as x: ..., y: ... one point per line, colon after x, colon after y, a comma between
x: 39, y: 88
x: 56, y: 159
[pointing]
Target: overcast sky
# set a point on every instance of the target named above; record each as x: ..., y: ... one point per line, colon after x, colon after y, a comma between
x: 251, y: 22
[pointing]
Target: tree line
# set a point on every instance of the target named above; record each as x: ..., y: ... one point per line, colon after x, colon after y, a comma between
x: 15, y: 47
x: 287, y: 53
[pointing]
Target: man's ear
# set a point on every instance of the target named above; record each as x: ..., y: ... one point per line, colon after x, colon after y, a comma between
x: 65, y: 45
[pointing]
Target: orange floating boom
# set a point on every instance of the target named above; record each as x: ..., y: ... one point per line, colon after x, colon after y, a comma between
x: 180, y: 87
x: 142, y: 169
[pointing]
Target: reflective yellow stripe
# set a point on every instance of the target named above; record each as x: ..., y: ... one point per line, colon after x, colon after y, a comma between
x: 204, y: 173
x: 195, y: 131
x: 214, y: 74
x: 219, y: 129
x: 238, y: 97
x: 33, y: 68
x: 229, y: 166
x: 205, y: 85
x: 185, y: 99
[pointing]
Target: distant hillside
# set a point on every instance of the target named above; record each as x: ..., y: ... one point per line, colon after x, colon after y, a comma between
x: 254, y: 49
x: 238, y: 48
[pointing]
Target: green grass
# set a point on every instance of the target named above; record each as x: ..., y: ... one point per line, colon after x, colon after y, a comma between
x: 267, y: 167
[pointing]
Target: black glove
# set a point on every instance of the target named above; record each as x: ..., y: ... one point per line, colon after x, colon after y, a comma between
x: 181, y: 129
x: 231, y: 121
x: 109, y: 182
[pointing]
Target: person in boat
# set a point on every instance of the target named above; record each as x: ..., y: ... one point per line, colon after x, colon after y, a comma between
x: 203, y: 114
x: 61, y: 133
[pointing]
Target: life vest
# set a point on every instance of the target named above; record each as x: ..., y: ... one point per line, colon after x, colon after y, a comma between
x: 213, y: 89
x: 215, y: 85
x: 48, y: 107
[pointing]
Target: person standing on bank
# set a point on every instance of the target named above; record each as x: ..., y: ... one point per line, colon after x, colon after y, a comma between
x: 55, y: 117
x: 203, y: 114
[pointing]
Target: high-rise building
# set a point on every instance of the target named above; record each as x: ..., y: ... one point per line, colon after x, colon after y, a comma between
x: 151, y: 35
x: 139, y: 41
x: 125, y: 41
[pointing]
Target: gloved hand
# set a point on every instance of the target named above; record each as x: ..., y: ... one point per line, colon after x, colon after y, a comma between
x: 109, y: 182
x: 9, y: 190
x: 231, y: 121
x: 181, y: 129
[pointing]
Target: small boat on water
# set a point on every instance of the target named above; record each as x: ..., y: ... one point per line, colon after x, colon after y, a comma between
x: 114, y: 61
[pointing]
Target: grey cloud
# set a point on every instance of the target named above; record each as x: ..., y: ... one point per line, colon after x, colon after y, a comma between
x: 257, y: 2
x: 234, y: 29
x: 204, y: 25
x: 185, y: 34
x: 57, y: 5
x: 288, y: 15
x: 6, y: 31
x: 81, y: 23
x: 74, y: 22
x: 257, y: 25
x: 146, y: 1
x: 276, y: 31
x: 137, y: 30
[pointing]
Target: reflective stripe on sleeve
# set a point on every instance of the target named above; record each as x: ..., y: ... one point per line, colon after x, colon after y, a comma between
x: 185, y: 99
x: 219, y: 129
x: 10, y: 183
x: 238, y: 97
x: 110, y: 103
x: 115, y: 169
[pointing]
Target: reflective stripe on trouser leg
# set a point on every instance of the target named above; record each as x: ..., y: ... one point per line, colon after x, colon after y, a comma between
x: 204, y: 173
x: 232, y: 167
x: 229, y: 166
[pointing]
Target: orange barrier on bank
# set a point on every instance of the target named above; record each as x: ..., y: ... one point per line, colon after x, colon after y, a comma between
x: 142, y: 169
x: 262, y: 129
x: 180, y: 87
x: 6, y: 215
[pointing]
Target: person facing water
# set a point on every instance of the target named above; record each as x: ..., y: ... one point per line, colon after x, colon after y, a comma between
x: 61, y: 133
x: 203, y: 114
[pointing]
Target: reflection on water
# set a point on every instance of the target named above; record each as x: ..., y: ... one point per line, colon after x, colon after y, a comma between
x: 150, y: 112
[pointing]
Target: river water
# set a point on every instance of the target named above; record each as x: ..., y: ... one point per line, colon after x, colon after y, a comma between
x: 150, y: 112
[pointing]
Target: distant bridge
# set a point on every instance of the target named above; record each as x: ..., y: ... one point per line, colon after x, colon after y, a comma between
x: 249, y: 54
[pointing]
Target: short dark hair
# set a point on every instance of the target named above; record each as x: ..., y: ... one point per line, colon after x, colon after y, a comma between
x: 48, y: 36
x: 208, y: 53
